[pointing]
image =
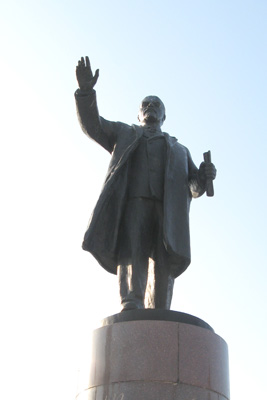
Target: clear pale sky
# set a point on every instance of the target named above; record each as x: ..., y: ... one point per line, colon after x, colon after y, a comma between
x: 207, y: 61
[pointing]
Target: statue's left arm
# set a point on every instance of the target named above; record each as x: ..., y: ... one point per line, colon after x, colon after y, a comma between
x: 198, y: 177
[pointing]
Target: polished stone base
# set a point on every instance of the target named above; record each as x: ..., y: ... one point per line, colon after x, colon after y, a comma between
x: 157, y: 360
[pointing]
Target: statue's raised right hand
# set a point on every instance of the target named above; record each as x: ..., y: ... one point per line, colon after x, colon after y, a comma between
x: 85, y: 77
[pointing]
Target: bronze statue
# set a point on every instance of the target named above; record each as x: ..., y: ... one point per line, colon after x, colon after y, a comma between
x: 142, y: 215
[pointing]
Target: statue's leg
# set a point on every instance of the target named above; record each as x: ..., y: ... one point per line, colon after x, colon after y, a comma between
x: 163, y: 279
x: 132, y: 280
x: 135, y: 244
x: 163, y: 287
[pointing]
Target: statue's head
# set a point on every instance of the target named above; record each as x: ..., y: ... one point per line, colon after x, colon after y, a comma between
x: 151, y: 111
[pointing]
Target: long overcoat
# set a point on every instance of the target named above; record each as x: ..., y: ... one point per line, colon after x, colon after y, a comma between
x: 180, y: 185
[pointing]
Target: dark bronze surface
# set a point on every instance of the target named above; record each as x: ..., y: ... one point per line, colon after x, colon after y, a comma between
x: 142, y: 216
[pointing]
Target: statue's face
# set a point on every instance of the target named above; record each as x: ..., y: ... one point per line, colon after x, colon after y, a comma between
x: 151, y: 110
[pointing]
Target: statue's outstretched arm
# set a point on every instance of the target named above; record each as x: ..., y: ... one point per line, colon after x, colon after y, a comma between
x: 97, y: 128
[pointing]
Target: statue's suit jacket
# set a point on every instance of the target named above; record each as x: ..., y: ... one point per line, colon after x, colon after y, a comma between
x: 180, y: 184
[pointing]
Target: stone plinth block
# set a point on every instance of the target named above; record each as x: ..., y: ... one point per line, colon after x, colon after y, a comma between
x: 157, y: 360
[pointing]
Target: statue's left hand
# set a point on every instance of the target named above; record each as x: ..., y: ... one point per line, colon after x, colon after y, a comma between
x: 207, y: 171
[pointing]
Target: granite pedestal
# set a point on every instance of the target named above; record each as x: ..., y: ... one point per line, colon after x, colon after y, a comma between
x: 157, y: 355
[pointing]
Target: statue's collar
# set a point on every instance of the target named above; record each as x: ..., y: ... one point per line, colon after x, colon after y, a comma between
x: 140, y: 130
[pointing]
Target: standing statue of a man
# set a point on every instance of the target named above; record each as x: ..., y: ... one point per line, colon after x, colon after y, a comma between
x: 142, y: 214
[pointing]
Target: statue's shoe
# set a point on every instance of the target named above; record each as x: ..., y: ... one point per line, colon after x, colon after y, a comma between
x: 131, y: 305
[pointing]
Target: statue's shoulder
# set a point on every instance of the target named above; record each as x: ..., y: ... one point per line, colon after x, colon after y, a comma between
x: 126, y: 134
x: 177, y: 147
x: 137, y: 130
x: 171, y: 139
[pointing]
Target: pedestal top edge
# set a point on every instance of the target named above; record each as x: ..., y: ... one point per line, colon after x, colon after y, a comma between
x: 155, y: 315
